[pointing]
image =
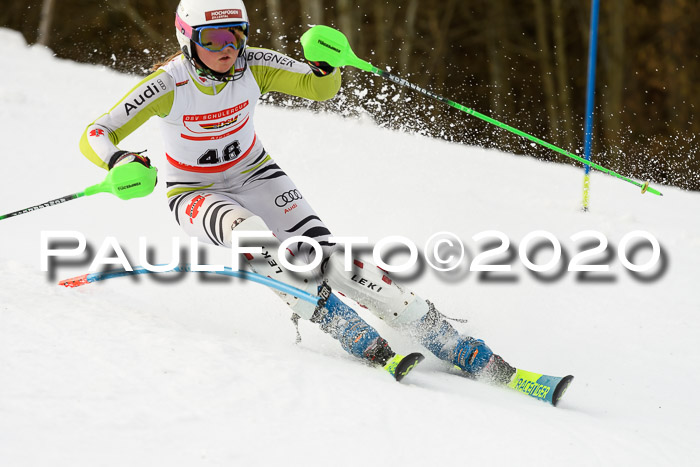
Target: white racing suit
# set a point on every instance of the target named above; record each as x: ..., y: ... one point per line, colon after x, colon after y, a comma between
x: 221, y: 180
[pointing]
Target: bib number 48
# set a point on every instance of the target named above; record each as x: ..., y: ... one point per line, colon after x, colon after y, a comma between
x: 230, y: 152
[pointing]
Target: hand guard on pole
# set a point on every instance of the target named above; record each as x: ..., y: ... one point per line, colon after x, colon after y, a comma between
x: 131, y: 175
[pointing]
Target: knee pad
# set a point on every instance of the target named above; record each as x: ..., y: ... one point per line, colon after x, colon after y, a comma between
x: 372, y: 288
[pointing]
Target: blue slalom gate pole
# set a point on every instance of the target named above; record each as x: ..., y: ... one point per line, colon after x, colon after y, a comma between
x: 138, y: 270
x: 590, y: 93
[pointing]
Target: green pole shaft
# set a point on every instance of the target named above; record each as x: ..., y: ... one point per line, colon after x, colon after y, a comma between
x: 385, y: 74
x: 322, y: 43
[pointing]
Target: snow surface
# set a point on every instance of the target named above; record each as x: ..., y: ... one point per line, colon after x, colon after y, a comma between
x: 187, y: 371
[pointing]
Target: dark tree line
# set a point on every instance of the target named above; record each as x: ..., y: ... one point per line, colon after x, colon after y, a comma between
x: 521, y: 61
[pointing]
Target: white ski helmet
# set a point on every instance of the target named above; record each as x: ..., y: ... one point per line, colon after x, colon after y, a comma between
x: 195, y: 13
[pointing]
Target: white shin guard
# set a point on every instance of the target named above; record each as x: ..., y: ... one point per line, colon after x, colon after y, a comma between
x: 267, y: 264
x: 371, y: 287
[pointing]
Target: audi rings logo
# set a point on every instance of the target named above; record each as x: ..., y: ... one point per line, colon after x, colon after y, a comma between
x: 288, y: 197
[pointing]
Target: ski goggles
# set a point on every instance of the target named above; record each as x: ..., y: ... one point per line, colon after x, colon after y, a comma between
x: 217, y: 37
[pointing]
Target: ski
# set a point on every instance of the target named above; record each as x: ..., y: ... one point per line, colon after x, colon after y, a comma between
x: 498, y: 372
x: 399, y: 366
x: 546, y: 388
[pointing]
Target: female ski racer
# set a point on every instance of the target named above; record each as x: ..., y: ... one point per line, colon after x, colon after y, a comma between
x: 220, y: 179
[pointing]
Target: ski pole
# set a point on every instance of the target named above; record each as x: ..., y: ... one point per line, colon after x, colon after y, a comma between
x: 250, y: 276
x: 126, y: 182
x: 325, y: 44
x: 53, y: 202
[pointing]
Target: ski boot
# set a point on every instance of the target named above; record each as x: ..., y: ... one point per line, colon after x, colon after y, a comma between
x: 470, y: 355
x: 497, y: 371
x: 360, y: 339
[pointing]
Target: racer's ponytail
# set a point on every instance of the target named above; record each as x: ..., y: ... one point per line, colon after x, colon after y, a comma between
x: 167, y: 60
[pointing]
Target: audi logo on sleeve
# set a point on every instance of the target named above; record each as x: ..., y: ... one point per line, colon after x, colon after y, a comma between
x: 287, y: 197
